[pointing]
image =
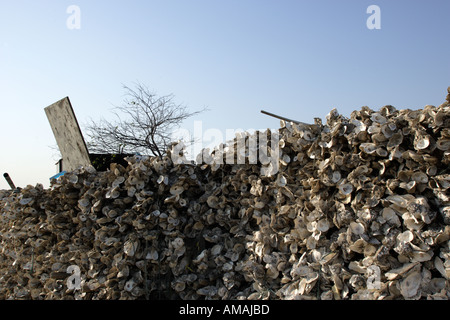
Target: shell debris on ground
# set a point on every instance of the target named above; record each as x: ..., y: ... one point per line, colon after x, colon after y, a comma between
x: 359, y: 208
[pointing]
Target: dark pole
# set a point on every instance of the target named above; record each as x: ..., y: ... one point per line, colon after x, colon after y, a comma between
x: 8, y: 179
x: 282, y: 118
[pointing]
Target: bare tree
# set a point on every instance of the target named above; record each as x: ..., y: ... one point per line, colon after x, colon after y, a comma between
x: 144, y: 124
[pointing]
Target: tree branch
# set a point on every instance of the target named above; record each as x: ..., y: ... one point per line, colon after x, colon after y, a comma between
x: 144, y: 124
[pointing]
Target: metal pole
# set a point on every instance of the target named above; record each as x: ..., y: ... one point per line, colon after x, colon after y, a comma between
x: 282, y: 118
x: 8, y: 179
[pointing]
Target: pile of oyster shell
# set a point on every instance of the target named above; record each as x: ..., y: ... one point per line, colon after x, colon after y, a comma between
x: 358, y: 209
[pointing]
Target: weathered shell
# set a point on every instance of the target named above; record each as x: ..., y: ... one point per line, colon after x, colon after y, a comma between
x: 130, y: 247
x: 346, y: 188
x: 369, y: 147
x: 84, y: 202
x: 118, y: 181
x: 421, y: 142
x: 443, y: 144
x: 73, y: 178
x: 445, y: 272
x: 409, y: 287
x: 378, y: 118
x: 419, y: 177
x: 357, y: 228
x: 176, y: 190
x: 25, y: 201
x: 395, y: 140
x: 406, y: 236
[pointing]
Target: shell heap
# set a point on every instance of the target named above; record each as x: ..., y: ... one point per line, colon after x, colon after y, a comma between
x: 359, y: 209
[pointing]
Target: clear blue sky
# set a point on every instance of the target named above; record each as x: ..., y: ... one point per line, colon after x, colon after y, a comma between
x: 298, y: 58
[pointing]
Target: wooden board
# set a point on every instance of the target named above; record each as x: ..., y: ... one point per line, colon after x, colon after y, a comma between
x: 67, y: 134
